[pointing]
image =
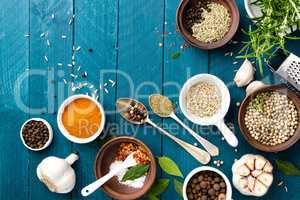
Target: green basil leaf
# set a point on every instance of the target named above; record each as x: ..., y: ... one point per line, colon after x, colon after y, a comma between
x: 287, y: 168
x: 178, y: 187
x: 169, y: 166
x: 159, y: 187
x: 176, y: 55
x: 152, y: 197
x: 135, y: 172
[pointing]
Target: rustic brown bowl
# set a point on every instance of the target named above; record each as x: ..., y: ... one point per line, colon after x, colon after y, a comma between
x: 186, y: 33
x: 113, y: 188
x: 245, y: 132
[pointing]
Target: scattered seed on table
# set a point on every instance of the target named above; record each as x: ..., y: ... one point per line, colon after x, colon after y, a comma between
x: 46, y: 58
x: 195, y: 144
x: 238, y: 104
x: 59, y: 64
x: 52, y: 16
x: 160, y: 44
x: 235, y: 62
x: 65, y: 81
x: 63, y: 36
x: 42, y: 34
x: 48, y: 43
x: 105, y: 90
x: 78, y: 48
x: 105, y: 84
x: 70, y: 65
x: 26, y: 35
x: 280, y: 183
x: 90, y: 50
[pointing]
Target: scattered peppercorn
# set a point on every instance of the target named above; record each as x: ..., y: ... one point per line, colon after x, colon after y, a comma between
x: 135, y: 112
x: 90, y: 50
x: 206, y: 185
x: 35, y: 134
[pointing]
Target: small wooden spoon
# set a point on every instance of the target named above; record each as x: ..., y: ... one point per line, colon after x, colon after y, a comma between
x: 212, y: 149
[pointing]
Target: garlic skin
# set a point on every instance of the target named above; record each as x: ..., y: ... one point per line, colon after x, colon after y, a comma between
x: 245, y: 74
x: 254, y: 86
x: 57, y: 174
x: 252, y: 175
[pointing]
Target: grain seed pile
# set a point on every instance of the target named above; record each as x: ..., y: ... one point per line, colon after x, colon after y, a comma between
x: 203, y: 99
x: 214, y: 23
x: 271, y: 118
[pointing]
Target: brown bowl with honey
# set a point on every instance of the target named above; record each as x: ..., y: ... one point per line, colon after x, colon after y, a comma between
x: 110, y: 153
x: 81, y: 119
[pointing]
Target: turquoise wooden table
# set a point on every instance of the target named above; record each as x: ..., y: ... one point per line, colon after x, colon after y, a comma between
x: 128, y: 42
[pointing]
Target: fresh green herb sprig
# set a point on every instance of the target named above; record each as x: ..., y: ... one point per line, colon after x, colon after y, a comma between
x: 135, y: 172
x: 271, y: 31
x: 287, y: 168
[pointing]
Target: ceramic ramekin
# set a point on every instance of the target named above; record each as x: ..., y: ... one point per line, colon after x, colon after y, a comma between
x: 49, y: 129
x: 206, y: 168
x: 63, y: 129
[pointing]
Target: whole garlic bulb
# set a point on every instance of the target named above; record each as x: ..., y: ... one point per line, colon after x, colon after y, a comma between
x: 252, y: 175
x: 245, y: 74
x: 57, y: 174
x: 253, y: 86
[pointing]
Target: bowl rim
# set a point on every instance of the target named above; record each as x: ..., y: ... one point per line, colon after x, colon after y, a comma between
x: 207, y: 168
x: 152, y: 174
x: 202, y: 45
x: 224, y: 105
x: 65, y: 132
x: 281, y: 147
x: 49, y: 129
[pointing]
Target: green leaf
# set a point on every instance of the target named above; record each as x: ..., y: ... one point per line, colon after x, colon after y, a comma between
x: 169, y: 166
x: 178, y: 186
x: 152, y: 197
x: 159, y: 187
x: 176, y: 55
x: 287, y: 168
x: 135, y: 172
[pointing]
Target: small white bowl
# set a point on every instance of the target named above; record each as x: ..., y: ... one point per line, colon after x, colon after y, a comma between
x: 66, y: 133
x: 49, y: 129
x: 206, y: 168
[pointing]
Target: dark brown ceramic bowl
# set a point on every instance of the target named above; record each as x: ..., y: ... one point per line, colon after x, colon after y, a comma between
x: 241, y: 119
x: 186, y: 33
x: 113, y: 188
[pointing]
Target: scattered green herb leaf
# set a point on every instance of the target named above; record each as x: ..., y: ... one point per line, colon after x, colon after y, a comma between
x: 158, y: 188
x: 135, y: 172
x: 178, y: 186
x: 169, y: 166
x: 287, y: 168
x: 176, y: 55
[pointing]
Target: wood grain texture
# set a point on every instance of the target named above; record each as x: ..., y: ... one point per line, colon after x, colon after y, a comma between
x: 136, y: 38
x: 14, y: 84
x: 95, y: 28
x: 46, y: 79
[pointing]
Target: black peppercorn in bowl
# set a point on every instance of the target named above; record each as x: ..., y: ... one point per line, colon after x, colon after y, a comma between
x: 36, y: 134
x: 206, y: 183
x: 184, y: 16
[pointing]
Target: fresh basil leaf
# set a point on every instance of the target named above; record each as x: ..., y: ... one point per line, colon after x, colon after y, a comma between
x: 176, y: 55
x: 178, y: 186
x: 169, y: 166
x: 135, y: 172
x: 287, y: 168
x: 152, y: 197
x: 159, y: 187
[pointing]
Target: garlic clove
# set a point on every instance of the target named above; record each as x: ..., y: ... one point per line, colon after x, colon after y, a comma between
x: 251, y: 183
x: 259, y: 189
x: 256, y: 173
x: 254, y: 86
x: 266, y: 179
x: 250, y: 162
x: 268, y: 167
x: 245, y: 74
x: 243, y: 170
x: 260, y: 162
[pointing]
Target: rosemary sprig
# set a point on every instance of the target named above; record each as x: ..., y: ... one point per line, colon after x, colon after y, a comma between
x: 271, y: 29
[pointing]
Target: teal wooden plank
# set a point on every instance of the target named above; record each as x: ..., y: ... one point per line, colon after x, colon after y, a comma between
x: 140, y: 62
x: 49, y: 20
x: 176, y: 71
x: 96, y: 34
x: 14, y: 50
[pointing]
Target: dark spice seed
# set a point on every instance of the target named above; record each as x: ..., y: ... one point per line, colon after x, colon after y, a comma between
x: 35, y: 134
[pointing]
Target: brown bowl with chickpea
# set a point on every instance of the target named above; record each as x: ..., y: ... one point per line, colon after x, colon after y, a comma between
x: 269, y: 118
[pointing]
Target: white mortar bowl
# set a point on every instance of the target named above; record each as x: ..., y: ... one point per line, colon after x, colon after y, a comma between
x: 63, y: 129
x: 206, y: 168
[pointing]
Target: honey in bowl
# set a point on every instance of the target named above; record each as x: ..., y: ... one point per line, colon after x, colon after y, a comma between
x: 81, y: 118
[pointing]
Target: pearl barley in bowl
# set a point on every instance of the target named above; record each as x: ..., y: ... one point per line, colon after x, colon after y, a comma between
x: 81, y: 118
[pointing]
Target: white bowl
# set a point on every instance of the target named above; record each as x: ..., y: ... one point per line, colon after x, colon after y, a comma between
x: 205, y: 168
x: 66, y: 133
x: 49, y: 129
